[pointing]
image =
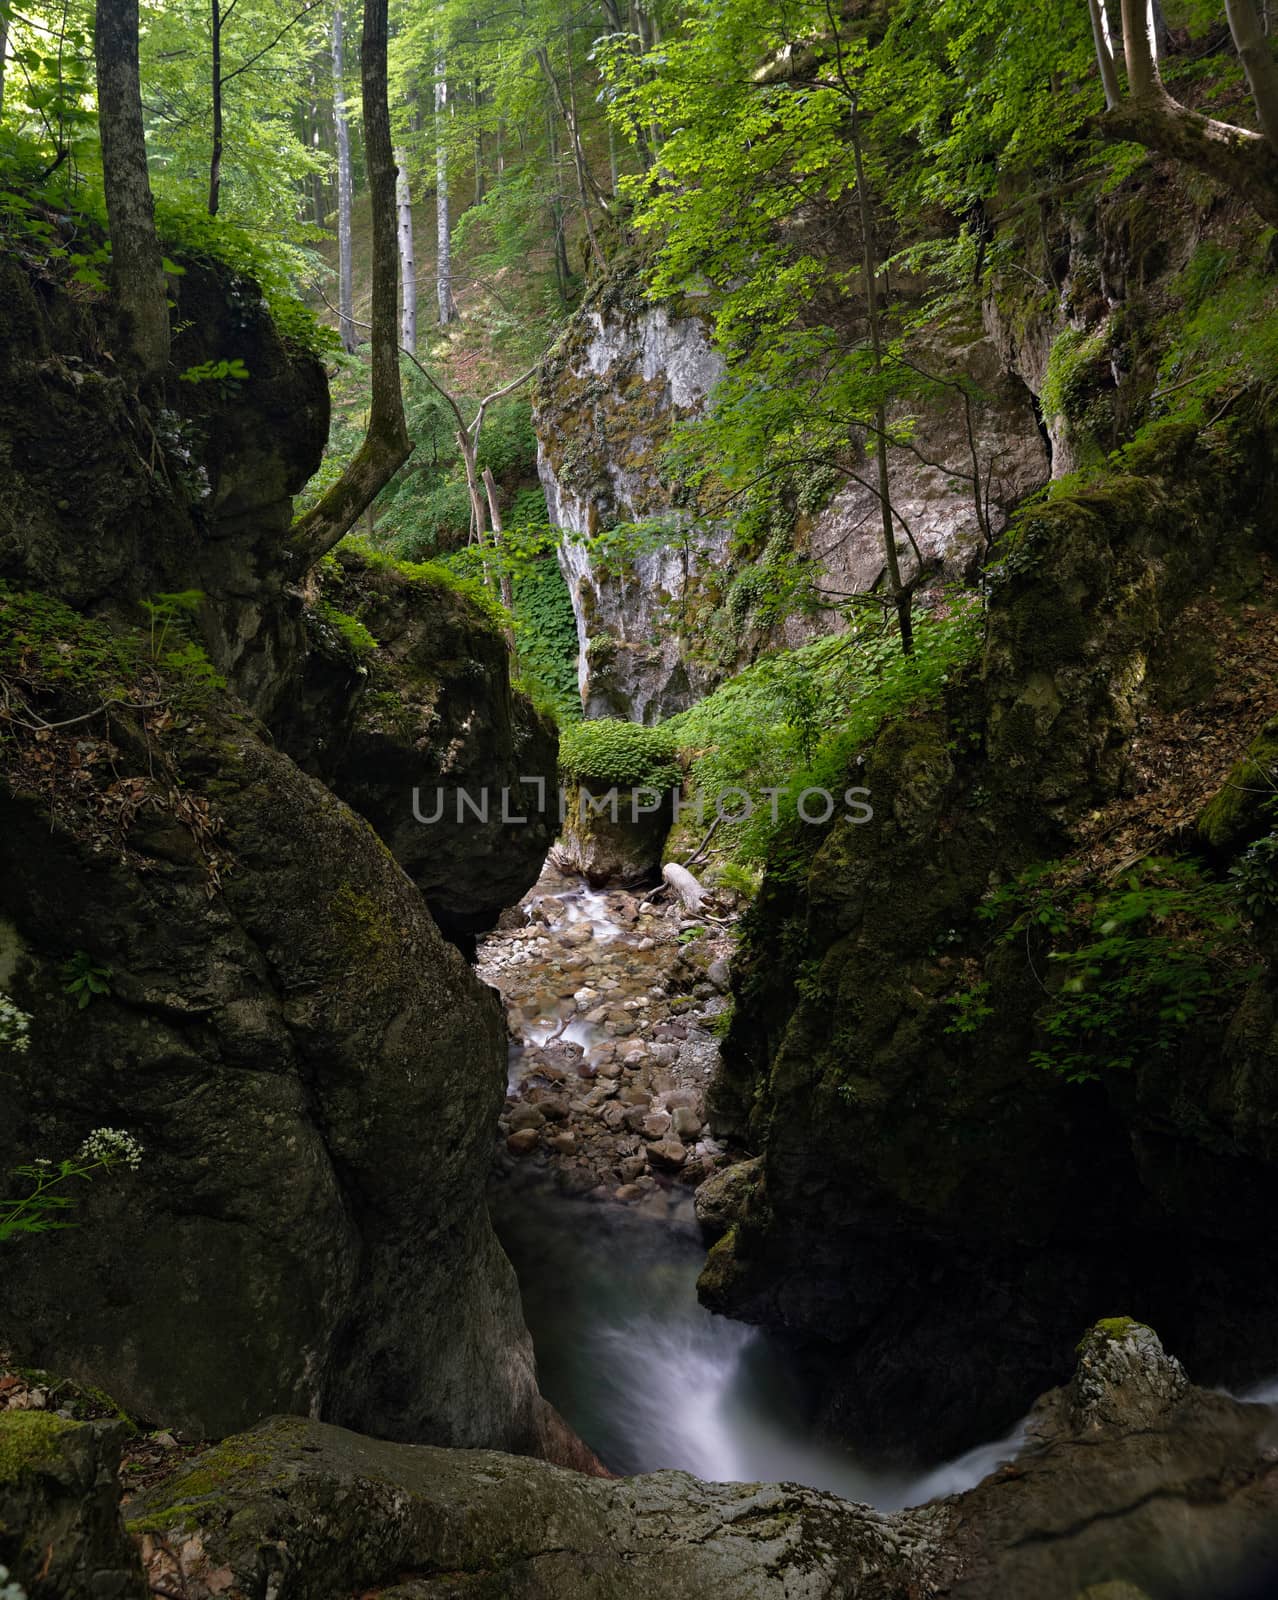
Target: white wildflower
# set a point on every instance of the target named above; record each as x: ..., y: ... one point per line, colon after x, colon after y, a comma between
x: 113, y: 1147
x: 8, y: 1590
x: 14, y: 1026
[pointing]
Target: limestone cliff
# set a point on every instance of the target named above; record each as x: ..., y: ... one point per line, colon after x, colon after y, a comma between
x: 655, y: 638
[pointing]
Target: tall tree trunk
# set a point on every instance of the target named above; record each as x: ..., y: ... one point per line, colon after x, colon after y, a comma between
x: 1143, y: 78
x: 494, y: 511
x: 557, y: 206
x: 1104, y: 53
x: 476, y: 99
x: 1258, y: 63
x: 443, y: 222
x: 568, y: 111
x: 870, y: 266
x: 342, y: 135
x: 1158, y: 31
x: 4, y: 54
x: 407, y: 258
x: 215, y: 159
x: 137, y: 266
x: 386, y: 443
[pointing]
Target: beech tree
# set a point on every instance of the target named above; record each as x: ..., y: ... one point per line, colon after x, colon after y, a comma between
x: 345, y: 189
x: 137, y: 265
x: 386, y: 443
x: 1242, y: 159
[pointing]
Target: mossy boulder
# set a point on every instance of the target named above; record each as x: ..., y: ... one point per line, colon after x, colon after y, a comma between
x: 421, y: 732
x: 60, y: 1531
x: 619, y: 780
x: 1245, y: 807
x: 301, y: 1511
x: 313, y: 1071
x: 1148, y: 1482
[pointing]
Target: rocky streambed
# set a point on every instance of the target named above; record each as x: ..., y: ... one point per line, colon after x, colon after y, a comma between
x: 614, y: 1001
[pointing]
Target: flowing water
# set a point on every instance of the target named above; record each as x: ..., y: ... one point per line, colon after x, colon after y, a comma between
x: 651, y: 1379
x: 639, y: 1368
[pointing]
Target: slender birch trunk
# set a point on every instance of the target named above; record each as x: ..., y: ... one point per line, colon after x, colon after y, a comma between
x: 407, y: 257
x: 215, y: 158
x: 443, y: 224
x: 342, y: 136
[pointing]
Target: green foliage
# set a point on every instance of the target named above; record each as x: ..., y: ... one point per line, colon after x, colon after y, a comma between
x: 1077, y: 372
x: 621, y: 754
x: 1254, y: 878
x: 798, y: 718
x: 186, y: 660
x: 43, y: 1206
x: 186, y: 229
x: 83, y: 978
x: 349, y: 630
x: 439, y: 575
x: 45, y: 644
x: 1224, y: 334
x: 546, y: 638
x: 227, y: 375
x: 425, y: 511
x: 1132, y: 967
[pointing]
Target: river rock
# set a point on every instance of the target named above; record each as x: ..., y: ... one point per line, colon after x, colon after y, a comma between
x: 687, y: 1124
x: 525, y: 1115
x: 563, y: 1144
x: 655, y: 1125
x: 721, y: 1200
x: 668, y: 1155
x: 524, y: 1142
x: 301, y: 1511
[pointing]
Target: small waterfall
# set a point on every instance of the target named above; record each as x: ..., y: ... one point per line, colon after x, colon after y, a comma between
x: 639, y: 1368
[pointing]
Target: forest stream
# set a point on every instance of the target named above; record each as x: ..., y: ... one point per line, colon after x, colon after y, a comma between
x: 640, y: 1369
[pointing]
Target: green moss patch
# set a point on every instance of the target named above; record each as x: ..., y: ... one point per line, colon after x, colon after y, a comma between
x: 28, y: 1441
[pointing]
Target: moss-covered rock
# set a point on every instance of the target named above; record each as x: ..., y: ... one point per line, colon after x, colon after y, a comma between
x: 312, y: 1070
x: 301, y: 1511
x: 1130, y: 1475
x: 938, y: 1214
x: 1245, y: 807
x: 423, y: 734
x: 60, y: 1531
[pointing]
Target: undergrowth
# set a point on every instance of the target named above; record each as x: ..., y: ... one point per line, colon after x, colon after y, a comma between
x: 797, y: 719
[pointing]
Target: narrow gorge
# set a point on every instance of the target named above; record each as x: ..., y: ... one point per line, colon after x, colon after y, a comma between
x: 638, y: 927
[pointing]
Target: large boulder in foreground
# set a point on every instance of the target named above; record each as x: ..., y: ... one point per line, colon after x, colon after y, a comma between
x: 1130, y: 1477
x: 303, y: 1512
x: 60, y: 1532
x: 313, y: 1070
